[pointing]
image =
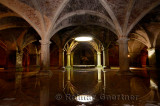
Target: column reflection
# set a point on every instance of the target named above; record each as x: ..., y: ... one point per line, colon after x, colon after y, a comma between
x: 44, y: 91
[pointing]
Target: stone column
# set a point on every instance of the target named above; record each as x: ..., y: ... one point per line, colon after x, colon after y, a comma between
x: 99, y: 60
x: 38, y: 59
x: 68, y: 74
x: 68, y: 60
x: 63, y: 59
x: 63, y: 79
x: 60, y: 57
x: 152, y: 57
x: 95, y: 59
x: 45, y: 54
x: 28, y: 59
x: 104, y: 59
x: 123, y: 54
x: 19, y: 60
x: 37, y: 56
x: 99, y: 75
x: 104, y: 73
x: 72, y: 54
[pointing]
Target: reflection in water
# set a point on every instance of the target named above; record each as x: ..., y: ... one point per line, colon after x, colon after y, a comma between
x: 18, y: 80
x: 84, y: 98
x: 44, y: 91
x: 76, y: 87
x: 99, y: 75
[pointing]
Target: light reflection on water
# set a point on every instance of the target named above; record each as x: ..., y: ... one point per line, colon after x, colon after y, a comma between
x: 62, y: 87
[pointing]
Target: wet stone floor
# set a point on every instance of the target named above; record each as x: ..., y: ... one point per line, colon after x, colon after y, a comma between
x: 79, y: 87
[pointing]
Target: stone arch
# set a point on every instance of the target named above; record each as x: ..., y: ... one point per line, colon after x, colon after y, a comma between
x: 32, y: 19
x: 142, y: 15
x: 84, y: 12
x: 71, y: 44
x: 70, y: 25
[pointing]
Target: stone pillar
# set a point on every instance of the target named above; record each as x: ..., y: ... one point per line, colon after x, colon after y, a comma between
x: 99, y: 60
x: 60, y: 57
x: 104, y: 59
x: 19, y: 60
x: 99, y: 75
x: 123, y: 54
x: 68, y: 74
x: 72, y: 54
x: 63, y: 59
x: 95, y: 59
x: 38, y: 56
x: 68, y: 60
x: 28, y: 59
x: 38, y: 59
x: 63, y: 79
x: 45, y: 54
x: 152, y: 57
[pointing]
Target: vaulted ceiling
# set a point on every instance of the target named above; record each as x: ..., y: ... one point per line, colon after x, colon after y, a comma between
x: 62, y: 19
x: 47, y: 16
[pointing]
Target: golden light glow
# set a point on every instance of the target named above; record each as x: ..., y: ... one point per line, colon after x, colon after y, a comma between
x: 83, y: 39
x: 132, y: 68
x: 151, y: 52
x: 129, y: 56
x: 153, y: 84
x: 84, y: 98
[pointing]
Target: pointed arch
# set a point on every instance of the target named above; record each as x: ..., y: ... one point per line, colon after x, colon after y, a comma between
x: 33, y: 12
x: 112, y: 15
x: 61, y: 7
x: 142, y: 15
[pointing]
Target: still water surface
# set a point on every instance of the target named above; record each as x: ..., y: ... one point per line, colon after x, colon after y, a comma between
x: 78, y: 87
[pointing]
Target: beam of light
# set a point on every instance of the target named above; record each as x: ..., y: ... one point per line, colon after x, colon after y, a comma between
x: 84, y: 98
x: 83, y: 39
x: 151, y: 52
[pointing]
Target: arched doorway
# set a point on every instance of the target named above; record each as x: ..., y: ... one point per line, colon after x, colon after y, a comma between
x: 83, y: 55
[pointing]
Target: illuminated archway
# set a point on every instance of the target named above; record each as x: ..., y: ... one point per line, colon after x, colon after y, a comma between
x: 72, y: 44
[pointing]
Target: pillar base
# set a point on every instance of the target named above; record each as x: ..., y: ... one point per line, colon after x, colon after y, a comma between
x: 99, y: 66
x: 99, y: 80
x: 68, y: 67
x: 125, y: 73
